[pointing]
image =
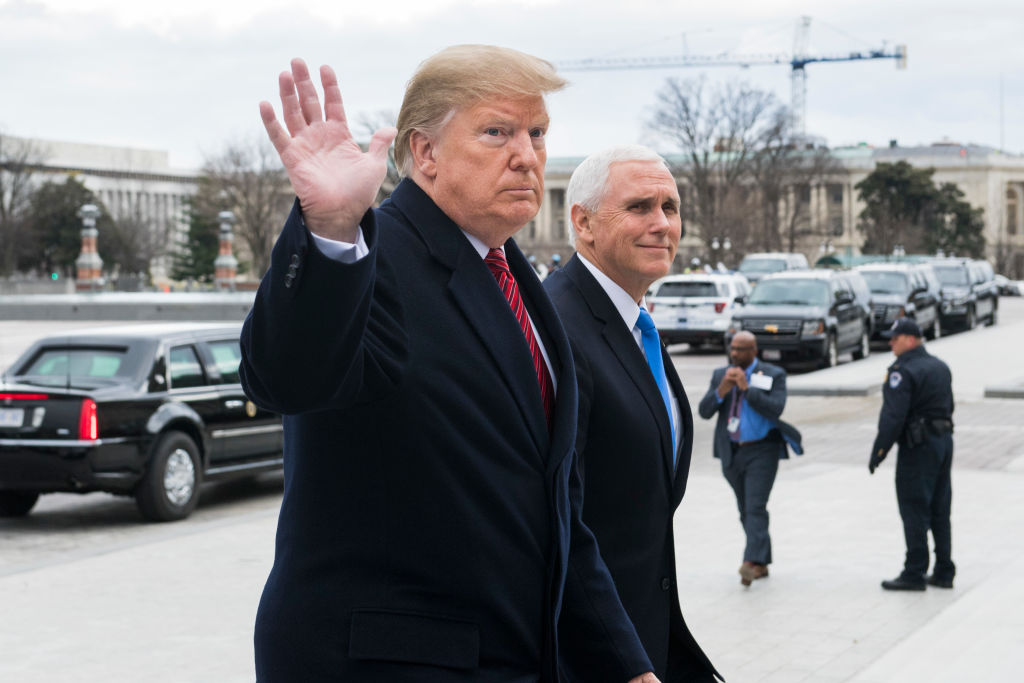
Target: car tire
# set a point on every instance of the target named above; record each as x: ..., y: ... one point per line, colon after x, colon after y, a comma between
x: 994, y: 317
x: 169, y: 489
x: 863, y: 349
x: 17, y: 503
x: 831, y: 358
x: 971, y: 321
x: 936, y: 331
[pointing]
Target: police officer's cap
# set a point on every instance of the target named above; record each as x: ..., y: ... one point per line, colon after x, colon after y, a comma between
x: 903, y: 326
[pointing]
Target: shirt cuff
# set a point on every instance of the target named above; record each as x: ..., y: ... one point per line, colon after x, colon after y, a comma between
x: 345, y: 252
x: 718, y: 398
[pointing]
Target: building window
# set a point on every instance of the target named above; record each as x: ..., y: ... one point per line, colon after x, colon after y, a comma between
x: 835, y: 193
x: 837, y: 225
x: 1011, y: 212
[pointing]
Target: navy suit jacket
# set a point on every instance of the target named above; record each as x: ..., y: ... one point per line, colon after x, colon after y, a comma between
x: 769, y: 403
x: 624, y: 443
x: 430, y: 526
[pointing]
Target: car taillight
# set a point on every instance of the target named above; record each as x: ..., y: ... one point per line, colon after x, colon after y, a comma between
x: 88, y: 428
x: 25, y: 397
x: 720, y: 306
x: 650, y: 307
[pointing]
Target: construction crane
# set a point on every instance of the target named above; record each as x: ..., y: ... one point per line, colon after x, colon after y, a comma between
x: 797, y: 61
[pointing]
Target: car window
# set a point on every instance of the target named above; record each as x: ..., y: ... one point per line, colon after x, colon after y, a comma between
x: 227, y: 354
x: 185, y: 370
x: 791, y: 292
x: 78, y: 362
x: 885, y: 282
x: 688, y: 288
x: 952, y: 275
x: 762, y: 265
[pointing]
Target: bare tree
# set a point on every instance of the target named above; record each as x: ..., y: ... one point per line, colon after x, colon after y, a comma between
x: 248, y: 179
x: 787, y: 168
x: 18, y: 160
x: 370, y: 123
x: 714, y: 132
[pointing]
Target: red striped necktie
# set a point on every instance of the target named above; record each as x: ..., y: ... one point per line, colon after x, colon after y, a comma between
x: 495, y: 260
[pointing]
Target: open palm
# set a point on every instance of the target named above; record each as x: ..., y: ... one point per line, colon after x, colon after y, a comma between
x: 335, y: 181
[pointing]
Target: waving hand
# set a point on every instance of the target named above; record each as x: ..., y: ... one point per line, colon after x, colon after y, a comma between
x: 335, y: 181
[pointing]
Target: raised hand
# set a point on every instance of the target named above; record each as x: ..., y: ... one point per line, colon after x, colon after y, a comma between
x: 335, y: 181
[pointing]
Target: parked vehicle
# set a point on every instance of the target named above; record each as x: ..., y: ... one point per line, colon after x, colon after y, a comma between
x: 696, y: 308
x: 151, y: 411
x: 1008, y: 287
x: 969, y: 294
x: 755, y: 266
x: 805, y: 316
x: 903, y: 290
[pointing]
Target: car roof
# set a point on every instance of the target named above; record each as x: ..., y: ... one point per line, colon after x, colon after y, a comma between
x: 142, y: 331
x: 890, y: 266
x: 691, y: 277
x: 806, y: 274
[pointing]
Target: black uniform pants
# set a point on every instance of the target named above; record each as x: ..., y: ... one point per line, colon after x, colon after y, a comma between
x: 925, y: 495
x: 752, y: 475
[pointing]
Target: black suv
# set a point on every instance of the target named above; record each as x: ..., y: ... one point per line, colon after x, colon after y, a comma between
x: 969, y: 294
x: 904, y: 290
x: 806, y: 316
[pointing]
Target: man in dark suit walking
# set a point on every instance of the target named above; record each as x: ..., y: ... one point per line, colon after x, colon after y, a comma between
x: 635, y: 427
x: 430, y: 527
x: 750, y: 439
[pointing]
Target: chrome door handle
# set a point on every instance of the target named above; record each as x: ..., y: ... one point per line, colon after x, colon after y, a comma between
x: 234, y: 404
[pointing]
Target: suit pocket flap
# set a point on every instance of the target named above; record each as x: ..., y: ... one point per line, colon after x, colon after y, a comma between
x: 420, y: 638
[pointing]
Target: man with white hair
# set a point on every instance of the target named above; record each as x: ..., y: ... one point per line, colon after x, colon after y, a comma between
x: 635, y: 428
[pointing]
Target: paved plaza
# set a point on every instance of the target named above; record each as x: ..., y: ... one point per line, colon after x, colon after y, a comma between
x: 91, y: 594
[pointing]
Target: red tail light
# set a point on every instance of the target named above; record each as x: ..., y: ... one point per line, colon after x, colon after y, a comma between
x: 88, y: 427
x: 25, y: 397
x: 650, y: 307
x: 720, y: 306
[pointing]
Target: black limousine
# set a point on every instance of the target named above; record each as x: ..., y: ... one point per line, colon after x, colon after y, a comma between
x: 151, y: 411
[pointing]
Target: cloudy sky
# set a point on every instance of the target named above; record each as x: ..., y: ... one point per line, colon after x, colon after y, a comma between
x: 186, y: 75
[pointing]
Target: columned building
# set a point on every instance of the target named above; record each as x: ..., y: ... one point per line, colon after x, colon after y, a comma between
x: 990, y: 180
x: 133, y: 184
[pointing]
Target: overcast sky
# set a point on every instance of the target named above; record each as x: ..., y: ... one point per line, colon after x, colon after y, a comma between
x: 186, y: 75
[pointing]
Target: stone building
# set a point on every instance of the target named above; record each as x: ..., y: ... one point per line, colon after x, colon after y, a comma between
x: 136, y: 184
x: 990, y: 180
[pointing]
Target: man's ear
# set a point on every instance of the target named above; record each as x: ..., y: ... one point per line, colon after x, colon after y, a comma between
x: 580, y: 218
x: 423, y: 151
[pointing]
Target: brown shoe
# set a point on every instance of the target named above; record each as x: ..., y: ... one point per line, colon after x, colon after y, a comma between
x: 751, y: 571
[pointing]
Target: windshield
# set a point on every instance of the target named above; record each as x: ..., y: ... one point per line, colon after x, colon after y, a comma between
x: 882, y: 282
x: 952, y: 275
x: 58, y: 366
x: 762, y: 265
x: 688, y: 289
x: 792, y: 292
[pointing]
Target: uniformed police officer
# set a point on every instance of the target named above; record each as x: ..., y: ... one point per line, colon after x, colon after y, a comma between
x: 917, y: 413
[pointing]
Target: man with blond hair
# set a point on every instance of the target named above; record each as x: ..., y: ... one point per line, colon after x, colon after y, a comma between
x: 430, y: 526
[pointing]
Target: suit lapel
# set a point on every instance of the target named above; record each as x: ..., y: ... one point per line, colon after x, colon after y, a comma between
x: 684, y: 429
x: 478, y: 297
x: 623, y: 344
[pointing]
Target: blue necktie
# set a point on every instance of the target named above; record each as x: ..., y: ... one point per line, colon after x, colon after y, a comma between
x: 652, y: 349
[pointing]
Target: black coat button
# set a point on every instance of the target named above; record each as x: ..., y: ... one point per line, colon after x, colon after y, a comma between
x: 666, y: 584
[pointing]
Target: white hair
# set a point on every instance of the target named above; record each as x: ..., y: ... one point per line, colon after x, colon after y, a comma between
x: 589, y: 181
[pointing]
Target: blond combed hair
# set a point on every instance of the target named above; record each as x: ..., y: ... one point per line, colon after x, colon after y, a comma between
x: 461, y: 76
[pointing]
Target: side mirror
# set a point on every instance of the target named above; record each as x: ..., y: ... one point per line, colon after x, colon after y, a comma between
x: 844, y: 298
x: 741, y: 300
